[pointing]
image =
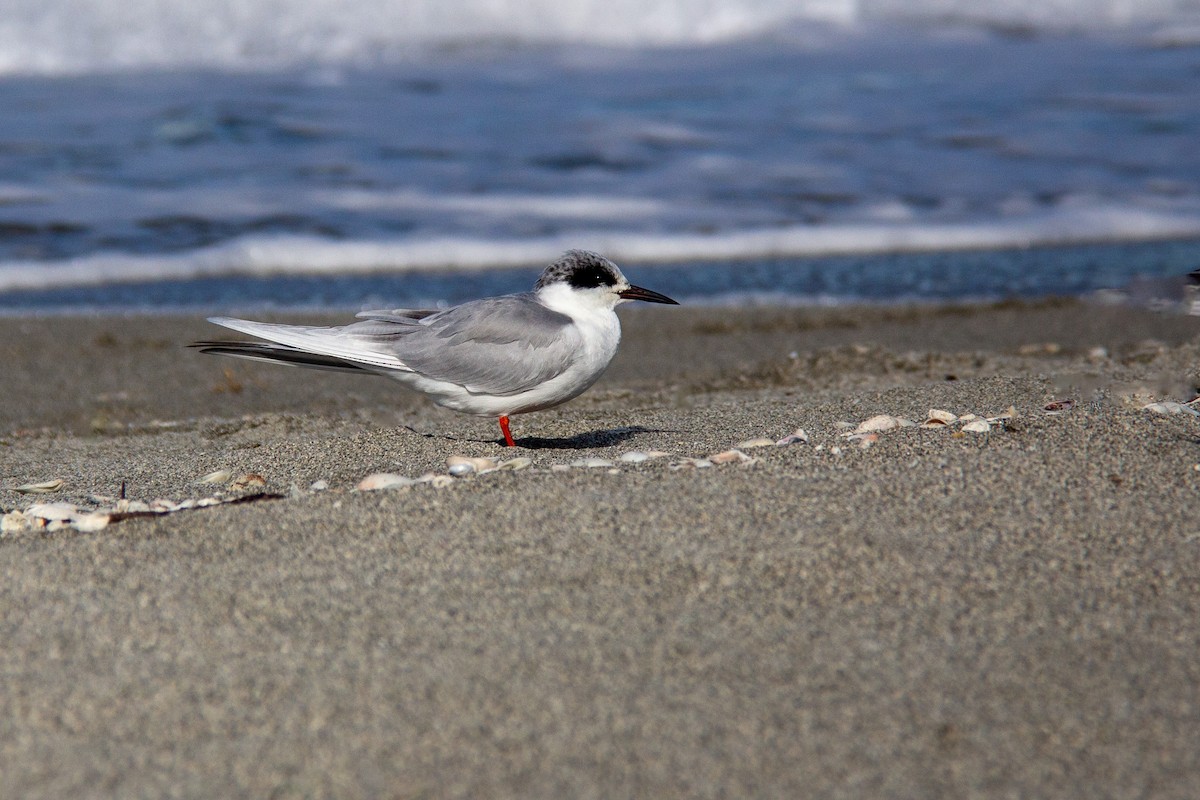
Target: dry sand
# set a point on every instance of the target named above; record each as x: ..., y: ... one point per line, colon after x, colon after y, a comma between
x: 1005, y: 614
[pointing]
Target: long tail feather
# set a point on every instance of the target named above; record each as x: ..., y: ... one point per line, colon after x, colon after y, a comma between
x: 279, y: 354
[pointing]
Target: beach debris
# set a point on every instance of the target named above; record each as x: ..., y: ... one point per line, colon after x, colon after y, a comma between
x: 247, y: 481
x: 637, y: 456
x: 51, y: 517
x: 691, y: 463
x: 14, y: 521
x: 459, y: 466
x: 51, y: 512
x: 733, y: 456
x: 977, y: 426
x: 515, y: 464
x: 880, y: 422
x: 1009, y: 413
x: 750, y: 444
x: 91, y: 522
x: 44, y: 487
x: 1059, y: 406
x: 592, y: 462
x: 937, y: 418
x: 800, y: 435
x: 865, y: 440
x: 383, y: 480
x: 1171, y: 407
x: 220, y: 476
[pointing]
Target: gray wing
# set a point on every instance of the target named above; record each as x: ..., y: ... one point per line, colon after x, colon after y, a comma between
x: 500, y: 345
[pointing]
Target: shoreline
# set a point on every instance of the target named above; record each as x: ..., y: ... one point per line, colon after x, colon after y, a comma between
x: 939, y: 612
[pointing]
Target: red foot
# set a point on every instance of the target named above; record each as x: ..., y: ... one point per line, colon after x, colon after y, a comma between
x: 508, y: 440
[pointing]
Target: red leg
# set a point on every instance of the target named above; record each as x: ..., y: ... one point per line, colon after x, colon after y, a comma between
x: 508, y: 440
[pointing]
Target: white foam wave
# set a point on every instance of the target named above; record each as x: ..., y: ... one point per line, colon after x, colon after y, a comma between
x: 65, y: 36
x: 299, y: 255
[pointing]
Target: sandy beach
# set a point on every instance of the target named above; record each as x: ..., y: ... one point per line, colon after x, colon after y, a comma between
x: 927, y: 612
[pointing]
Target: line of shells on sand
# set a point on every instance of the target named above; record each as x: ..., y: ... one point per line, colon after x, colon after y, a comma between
x: 867, y: 432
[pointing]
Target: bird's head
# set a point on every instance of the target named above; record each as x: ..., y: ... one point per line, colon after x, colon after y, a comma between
x: 592, y: 280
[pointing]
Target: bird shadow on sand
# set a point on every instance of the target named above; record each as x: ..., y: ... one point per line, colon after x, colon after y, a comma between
x: 586, y: 441
x: 580, y: 441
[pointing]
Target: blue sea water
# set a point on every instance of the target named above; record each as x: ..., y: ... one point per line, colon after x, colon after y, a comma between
x: 300, y: 154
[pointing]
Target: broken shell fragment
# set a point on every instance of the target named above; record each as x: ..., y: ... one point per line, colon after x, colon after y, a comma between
x: 592, y: 463
x: 465, y: 465
x: 51, y: 512
x: 383, y: 480
x: 45, y: 487
x: 733, y: 456
x: 749, y: 444
x: 1010, y: 413
x: 91, y: 522
x: 514, y: 464
x: 220, y: 476
x: 14, y: 521
x: 879, y: 422
x: 1059, y: 406
x: 977, y: 426
x: 1170, y: 407
x: 939, y: 419
x: 250, y: 479
x: 800, y: 435
x: 691, y: 463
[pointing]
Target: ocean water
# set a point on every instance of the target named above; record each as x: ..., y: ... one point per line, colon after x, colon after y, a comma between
x: 206, y: 155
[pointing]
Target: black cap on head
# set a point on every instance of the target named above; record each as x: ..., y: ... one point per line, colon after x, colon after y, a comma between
x: 580, y: 269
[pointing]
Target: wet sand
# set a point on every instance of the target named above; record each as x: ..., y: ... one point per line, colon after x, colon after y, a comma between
x: 1010, y: 613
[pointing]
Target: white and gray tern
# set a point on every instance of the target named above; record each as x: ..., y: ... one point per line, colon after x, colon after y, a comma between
x: 493, y: 357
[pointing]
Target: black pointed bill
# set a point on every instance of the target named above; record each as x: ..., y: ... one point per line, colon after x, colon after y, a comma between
x: 638, y: 293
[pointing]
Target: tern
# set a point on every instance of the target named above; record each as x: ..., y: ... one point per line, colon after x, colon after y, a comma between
x: 493, y: 357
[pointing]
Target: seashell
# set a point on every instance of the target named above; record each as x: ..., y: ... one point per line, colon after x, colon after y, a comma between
x: 752, y: 443
x: 514, y: 464
x: 45, y: 487
x: 1170, y: 407
x: 319, y: 485
x: 592, y: 462
x: 1059, y: 406
x: 250, y: 479
x: 220, y: 476
x: 51, y: 512
x: 465, y: 465
x: 939, y: 419
x: 13, y: 521
x: 800, y: 435
x: 734, y: 456
x: 879, y: 422
x: 977, y: 426
x: 91, y: 522
x: 1010, y: 413
x: 692, y: 463
x: 383, y: 480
